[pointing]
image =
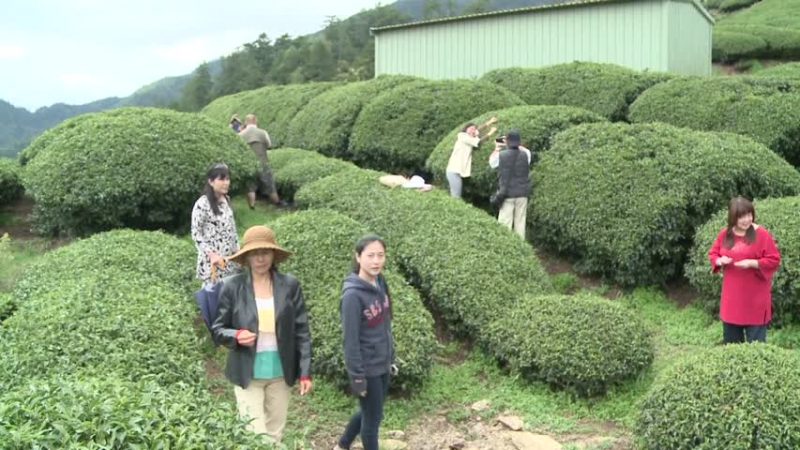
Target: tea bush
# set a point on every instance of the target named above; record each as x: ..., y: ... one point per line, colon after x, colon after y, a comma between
x: 295, y: 174
x: 605, y: 89
x: 766, y: 110
x: 325, y: 123
x: 134, y: 167
x: 734, y: 397
x: 624, y: 200
x: 561, y: 345
x: 790, y: 71
x: 537, y: 126
x: 730, y: 45
x: 103, y: 412
x: 779, y: 216
x: 323, y: 243
x: 280, y: 157
x: 397, y: 130
x: 10, y: 183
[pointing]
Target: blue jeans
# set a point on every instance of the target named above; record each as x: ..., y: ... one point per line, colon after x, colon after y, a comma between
x: 734, y: 334
x: 367, y: 420
x: 456, y: 184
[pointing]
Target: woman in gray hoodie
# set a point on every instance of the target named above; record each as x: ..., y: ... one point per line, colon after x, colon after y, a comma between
x: 366, y: 312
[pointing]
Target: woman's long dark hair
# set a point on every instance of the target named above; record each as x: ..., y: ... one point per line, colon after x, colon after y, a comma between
x: 362, y: 244
x: 738, y: 207
x: 216, y: 171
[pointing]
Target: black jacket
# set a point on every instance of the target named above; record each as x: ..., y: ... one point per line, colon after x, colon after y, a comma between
x: 237, y: 310
x: 366, y: 313
x: 513, y: 174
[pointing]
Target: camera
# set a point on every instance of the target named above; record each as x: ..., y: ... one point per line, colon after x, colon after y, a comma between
x: 501, y: 140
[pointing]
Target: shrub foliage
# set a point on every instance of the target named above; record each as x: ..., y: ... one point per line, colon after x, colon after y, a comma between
x: 135, y: 167
x: 537, y: 125
x: 624, y: 200
x: 779, y: 216
x: 733, y: 397
x: 605, y: 89
x: 326, y: 122
x: 312, y: 166
x: 10, y: 182
x: 398, y: 129
x: 766, y: 110
x: 323, y: 241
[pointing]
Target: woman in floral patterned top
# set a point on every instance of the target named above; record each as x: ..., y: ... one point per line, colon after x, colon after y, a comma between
x: 213, y: 226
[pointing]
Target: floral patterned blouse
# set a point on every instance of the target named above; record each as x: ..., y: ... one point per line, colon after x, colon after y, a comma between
x: 213, y: 233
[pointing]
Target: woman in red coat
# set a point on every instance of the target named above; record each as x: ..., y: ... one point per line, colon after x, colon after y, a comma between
x: 747, y: 256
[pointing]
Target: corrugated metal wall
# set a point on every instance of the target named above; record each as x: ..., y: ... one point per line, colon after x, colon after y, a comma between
x: 634, y: 34
x: 690, y: 40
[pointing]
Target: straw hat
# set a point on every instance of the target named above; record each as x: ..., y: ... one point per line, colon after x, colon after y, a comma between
x: 259, y: 237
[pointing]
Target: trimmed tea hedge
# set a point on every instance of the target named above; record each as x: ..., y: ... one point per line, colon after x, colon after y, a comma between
x: 280, y: 157
x: 764, y: 109
x: 323, y: 242
x: 398, y: 129
x: 302, y: 171
x: 734, y: 41
x: 107, y: 324
x: 488, y: 268
x: 326, y: 122
x: 780, y: 217
x: 537, y: 126
x: 605, y: 89
x: 274, y: 106
x: 104, y: 412
x: 10, y: 183
x: 790, y: 71
x: 134, y: 167
x: 7, y: 306
x: 734, y: 397
x: 624, y: 200
x: 561, y: 345
x: 730, y: 46
x: 150, y: 256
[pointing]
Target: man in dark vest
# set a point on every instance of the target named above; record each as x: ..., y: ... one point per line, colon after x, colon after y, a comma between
x: 514, y: 184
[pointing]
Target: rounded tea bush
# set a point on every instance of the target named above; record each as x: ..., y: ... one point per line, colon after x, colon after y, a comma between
x: 134, y: 167
x: 605, y: 89
x: 736, y: 397
x: 302, y: 171
x: 323, y: 243
x: 397, y: 131
x: 105, y: 412
x: 562, y: 346
x: 274, y: 106
x: 789, y: 71
x: 326, y: 122
x: 537, y: 125
x: 145, y: 255
x: 779, y: 216
x: 10, y: 182
x: 730, y: 45
x: 766, y: 110
x: 625, y: 200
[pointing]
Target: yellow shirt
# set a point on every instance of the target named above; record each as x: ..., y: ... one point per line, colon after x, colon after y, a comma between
x: 461, y: 158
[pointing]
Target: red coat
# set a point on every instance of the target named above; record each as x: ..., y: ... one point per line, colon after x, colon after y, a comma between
x: 746, y: 293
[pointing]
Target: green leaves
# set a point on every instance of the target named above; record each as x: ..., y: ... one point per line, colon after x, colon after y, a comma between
x: 10, y: 182
x: 732, y: 397
x: 134, y: 167
x: 624, y: 200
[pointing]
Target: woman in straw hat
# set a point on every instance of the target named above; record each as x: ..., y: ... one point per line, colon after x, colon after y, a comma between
x: 213, y: 226
x: 262, y: 320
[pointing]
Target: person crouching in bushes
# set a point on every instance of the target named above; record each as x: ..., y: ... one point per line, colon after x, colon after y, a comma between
x: 459, y: 166
x: 213, y: 226
x: 747, y: 256
x: 514, y: 184
x: 366, y: 312
x: 262, y: 319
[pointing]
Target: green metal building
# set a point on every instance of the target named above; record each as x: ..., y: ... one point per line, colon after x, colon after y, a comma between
x: 658, y: 35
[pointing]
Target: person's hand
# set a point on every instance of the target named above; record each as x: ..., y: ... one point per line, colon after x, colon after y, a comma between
x: 215, y: 259
x: 492, y: 120
x: 305, y: 386
x: 246, y: 338
x: 747, y: 264
x: 724, y: 261
x: 492, y: 131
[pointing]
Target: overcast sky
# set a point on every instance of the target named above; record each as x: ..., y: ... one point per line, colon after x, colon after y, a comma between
x: 77, y: 51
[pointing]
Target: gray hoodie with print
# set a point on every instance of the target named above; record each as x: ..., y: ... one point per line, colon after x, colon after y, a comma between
x: 366, y: 313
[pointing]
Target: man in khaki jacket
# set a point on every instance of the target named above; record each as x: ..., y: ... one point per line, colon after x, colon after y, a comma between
x: 259, y: 142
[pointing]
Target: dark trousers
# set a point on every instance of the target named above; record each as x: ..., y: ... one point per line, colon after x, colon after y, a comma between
x: 734, y: 334
x: 367, y: 420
